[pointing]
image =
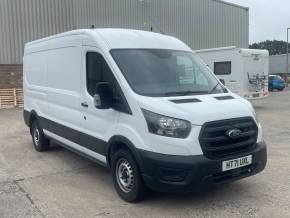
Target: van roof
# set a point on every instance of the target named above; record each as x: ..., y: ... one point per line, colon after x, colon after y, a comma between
x: 122, y: 38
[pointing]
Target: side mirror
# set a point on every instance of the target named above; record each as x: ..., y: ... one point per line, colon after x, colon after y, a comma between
x: 104, y: 98
x: 223, y: 81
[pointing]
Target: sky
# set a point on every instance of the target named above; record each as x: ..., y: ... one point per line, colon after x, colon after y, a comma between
x: 269, y: 19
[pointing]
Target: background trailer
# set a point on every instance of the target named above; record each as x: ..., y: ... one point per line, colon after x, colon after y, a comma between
x: 278, y: 64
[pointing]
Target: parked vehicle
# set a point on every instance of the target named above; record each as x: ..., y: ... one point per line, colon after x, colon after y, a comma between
x: 142, y: 104
x: 276, y: 82
x: 244, y: 71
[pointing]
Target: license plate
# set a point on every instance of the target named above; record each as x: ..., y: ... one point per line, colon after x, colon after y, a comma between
x: 236, y: 163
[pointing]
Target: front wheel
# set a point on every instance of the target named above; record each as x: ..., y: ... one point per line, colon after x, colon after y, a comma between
x: 126, y: 176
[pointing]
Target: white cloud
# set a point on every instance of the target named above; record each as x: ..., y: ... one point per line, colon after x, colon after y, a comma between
x: 268, y: 18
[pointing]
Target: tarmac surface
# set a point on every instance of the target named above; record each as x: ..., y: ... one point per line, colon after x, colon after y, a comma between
x: 59, y: 183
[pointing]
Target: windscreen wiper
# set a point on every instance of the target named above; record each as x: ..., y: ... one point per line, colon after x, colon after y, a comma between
x: 213, y: 89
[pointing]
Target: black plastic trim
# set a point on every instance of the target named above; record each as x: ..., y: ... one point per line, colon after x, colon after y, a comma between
x: 227, y: 149
x: 198, y: 172
x: 182, y: 101
x: 78, y: 152
x: 227, y: 97
x: 26, y: 117
x: 82, y: 139
x: 168, y: 173
x: 87, y: 141
x: 115, y: 140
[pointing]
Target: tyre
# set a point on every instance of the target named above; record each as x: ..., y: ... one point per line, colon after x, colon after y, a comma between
x: 126, y: 176
x: 40, y: 142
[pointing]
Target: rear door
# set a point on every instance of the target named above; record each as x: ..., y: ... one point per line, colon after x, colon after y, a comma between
x: 256, y: 69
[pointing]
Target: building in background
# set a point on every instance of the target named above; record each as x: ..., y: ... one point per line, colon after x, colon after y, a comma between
x: 278, y: 64
x: 200, y: 23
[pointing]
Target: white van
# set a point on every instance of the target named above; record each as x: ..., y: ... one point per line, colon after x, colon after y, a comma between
x: 142, y: 104
x: 244, y: 71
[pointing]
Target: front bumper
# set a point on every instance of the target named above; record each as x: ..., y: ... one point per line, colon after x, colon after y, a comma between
x: 183, y: 174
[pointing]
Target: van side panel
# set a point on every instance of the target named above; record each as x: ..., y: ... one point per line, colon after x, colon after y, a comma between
x: 34, y: 83
x: 63, y: 78
x: 52, y: 81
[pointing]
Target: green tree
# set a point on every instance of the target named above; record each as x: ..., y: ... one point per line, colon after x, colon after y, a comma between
x: 274, y: 47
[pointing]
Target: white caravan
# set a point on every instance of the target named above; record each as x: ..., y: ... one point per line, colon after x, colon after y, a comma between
x: 244, y: 71
x: 142, y: 104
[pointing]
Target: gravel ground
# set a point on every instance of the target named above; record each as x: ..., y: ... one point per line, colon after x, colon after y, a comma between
x: 59, y: 183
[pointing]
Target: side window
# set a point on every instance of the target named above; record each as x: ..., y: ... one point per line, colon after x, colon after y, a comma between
x: 223, y: 68
x: 97, y: 71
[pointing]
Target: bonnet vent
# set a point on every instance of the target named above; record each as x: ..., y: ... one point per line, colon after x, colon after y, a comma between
x: 221, y: 98
x: 183, y: 101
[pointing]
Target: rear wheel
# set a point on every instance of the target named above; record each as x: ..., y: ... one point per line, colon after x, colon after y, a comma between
x: 40, y: 142
x: 126, y: 176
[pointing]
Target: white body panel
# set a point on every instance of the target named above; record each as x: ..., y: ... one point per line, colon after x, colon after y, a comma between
x: 249, y: 69
x: 55, y: 87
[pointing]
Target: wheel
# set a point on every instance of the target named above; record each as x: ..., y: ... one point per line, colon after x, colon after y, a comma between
x: 126, y: 176
x: 40, y: 142
x: 280, y: 90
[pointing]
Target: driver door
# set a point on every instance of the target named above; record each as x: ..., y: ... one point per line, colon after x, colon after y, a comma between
x: 97, y: 124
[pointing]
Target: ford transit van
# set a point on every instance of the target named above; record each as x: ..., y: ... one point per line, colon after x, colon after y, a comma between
x: 142, y: 104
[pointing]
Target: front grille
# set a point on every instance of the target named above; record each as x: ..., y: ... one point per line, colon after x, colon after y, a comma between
x: 216, y: 143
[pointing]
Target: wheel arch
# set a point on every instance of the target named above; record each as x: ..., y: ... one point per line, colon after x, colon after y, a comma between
x: 29, y: 117
x: 117, y: 142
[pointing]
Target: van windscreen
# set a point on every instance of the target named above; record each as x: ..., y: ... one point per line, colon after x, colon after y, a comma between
x: 158, y: 72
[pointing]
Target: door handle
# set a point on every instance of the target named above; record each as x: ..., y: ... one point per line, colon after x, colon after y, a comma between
x: 84, y: 104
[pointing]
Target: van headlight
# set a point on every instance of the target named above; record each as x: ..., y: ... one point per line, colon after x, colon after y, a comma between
x: 166, y: 126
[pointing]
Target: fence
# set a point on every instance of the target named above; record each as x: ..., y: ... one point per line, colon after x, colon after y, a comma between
x: 11, y: 98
